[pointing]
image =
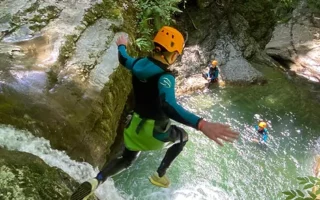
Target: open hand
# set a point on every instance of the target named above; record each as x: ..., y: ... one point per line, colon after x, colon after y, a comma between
x: 217, y: 131
x: 122, y: 40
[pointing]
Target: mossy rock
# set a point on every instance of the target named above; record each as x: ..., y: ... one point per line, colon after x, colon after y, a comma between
x: 36, y: 18
x: 25, y: 176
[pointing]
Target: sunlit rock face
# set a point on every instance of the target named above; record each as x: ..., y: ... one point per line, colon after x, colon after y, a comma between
x: 212, y: 33
x: 59, y: 74
x: 296, y: 44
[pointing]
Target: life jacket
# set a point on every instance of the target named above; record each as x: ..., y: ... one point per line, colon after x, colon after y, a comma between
x: 262, y: 131
x: 138, y: 136
x: 146, y: 95
x: 212, y: 71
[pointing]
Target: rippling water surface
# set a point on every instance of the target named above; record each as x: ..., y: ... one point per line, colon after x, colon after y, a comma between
x: 243, y: 170
x: 240, y: 171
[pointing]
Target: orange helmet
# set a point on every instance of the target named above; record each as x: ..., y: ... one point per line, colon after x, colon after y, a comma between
x: 262, y: 124
x: 214, y: 63
x: 170, y: 38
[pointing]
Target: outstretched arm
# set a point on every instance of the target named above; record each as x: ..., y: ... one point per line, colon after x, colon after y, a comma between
x: 170, y: 106
x: 214, y: 131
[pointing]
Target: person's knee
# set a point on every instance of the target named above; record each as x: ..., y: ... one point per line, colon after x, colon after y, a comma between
x: 128, y: 163
x: 183, y: 138
x: 183, y: 135
x: 178, y: 135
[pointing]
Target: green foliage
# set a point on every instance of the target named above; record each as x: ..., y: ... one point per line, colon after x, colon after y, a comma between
x: 262, y: 16
x: 259, y: 15
x: 306, y: 183
x: 283, y: 9
x: 314, y: 5
x: 105, y: 9
x: 153, y: 14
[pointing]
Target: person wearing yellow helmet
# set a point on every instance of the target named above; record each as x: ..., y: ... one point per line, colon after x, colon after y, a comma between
x: 261, y: 128
x: 155, y: 104
x: 213, y: 72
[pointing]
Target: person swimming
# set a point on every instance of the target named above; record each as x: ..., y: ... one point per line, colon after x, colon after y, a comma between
x: 261, y: 128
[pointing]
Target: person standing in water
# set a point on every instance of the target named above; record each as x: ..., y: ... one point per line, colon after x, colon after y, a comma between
x: 155, y: 105
x: 261, y: 128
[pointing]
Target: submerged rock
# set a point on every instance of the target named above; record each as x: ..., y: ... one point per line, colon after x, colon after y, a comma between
x: 25, y: 176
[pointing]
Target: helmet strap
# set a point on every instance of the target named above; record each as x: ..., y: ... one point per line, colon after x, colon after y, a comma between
x: 161, y: 52
x: 165, y: 58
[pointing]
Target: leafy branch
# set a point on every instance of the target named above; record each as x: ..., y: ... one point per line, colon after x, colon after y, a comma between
x: 310, y: 189
x: 153, y: 14
x: 314, y: 5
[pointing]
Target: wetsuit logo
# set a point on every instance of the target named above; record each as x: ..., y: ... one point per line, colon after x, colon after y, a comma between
x: 166, y: 83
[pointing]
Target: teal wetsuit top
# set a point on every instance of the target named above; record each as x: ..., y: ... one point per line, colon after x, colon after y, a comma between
x: 264, y: 134
x: 143, y: 69
x: 213, y: 72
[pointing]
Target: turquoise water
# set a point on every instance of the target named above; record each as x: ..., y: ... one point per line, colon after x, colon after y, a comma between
x: 243, y: 170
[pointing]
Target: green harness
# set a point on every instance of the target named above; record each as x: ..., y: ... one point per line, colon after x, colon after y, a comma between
x: 139, y: 135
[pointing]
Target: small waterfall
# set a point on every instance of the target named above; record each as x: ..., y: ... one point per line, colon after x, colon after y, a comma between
x: 24, y: 141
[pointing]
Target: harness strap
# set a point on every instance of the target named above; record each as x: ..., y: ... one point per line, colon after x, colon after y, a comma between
x: 140, y: 125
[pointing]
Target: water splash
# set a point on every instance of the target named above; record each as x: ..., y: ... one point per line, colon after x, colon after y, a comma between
x: 24, y: 141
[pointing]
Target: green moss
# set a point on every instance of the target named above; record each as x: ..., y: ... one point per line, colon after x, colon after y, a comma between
x: 68, y: 48
x: 257, y: 13
x: 118, y: 88
x: 7, y: 108
x: 106, y: 9
x: 24, y: 176
x: 34, y: 17
x: 40, y: 17
x: 15, y: 20
x: 130, y: 25
x: 314, y: 5
x: 44, y: 17
x: 32, y: 8
x: 262, y: 16
x: 52, y: 77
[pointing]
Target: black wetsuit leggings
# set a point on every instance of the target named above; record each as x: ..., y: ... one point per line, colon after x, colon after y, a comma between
x: 176, y: 135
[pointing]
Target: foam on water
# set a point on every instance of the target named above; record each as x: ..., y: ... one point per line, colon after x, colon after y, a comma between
x: 24, y: 141
x: 13, y: 139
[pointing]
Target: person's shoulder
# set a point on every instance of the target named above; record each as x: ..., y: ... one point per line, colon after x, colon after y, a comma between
x: 167, y: 75
x: 143, y: 59
x: 166, y: 80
